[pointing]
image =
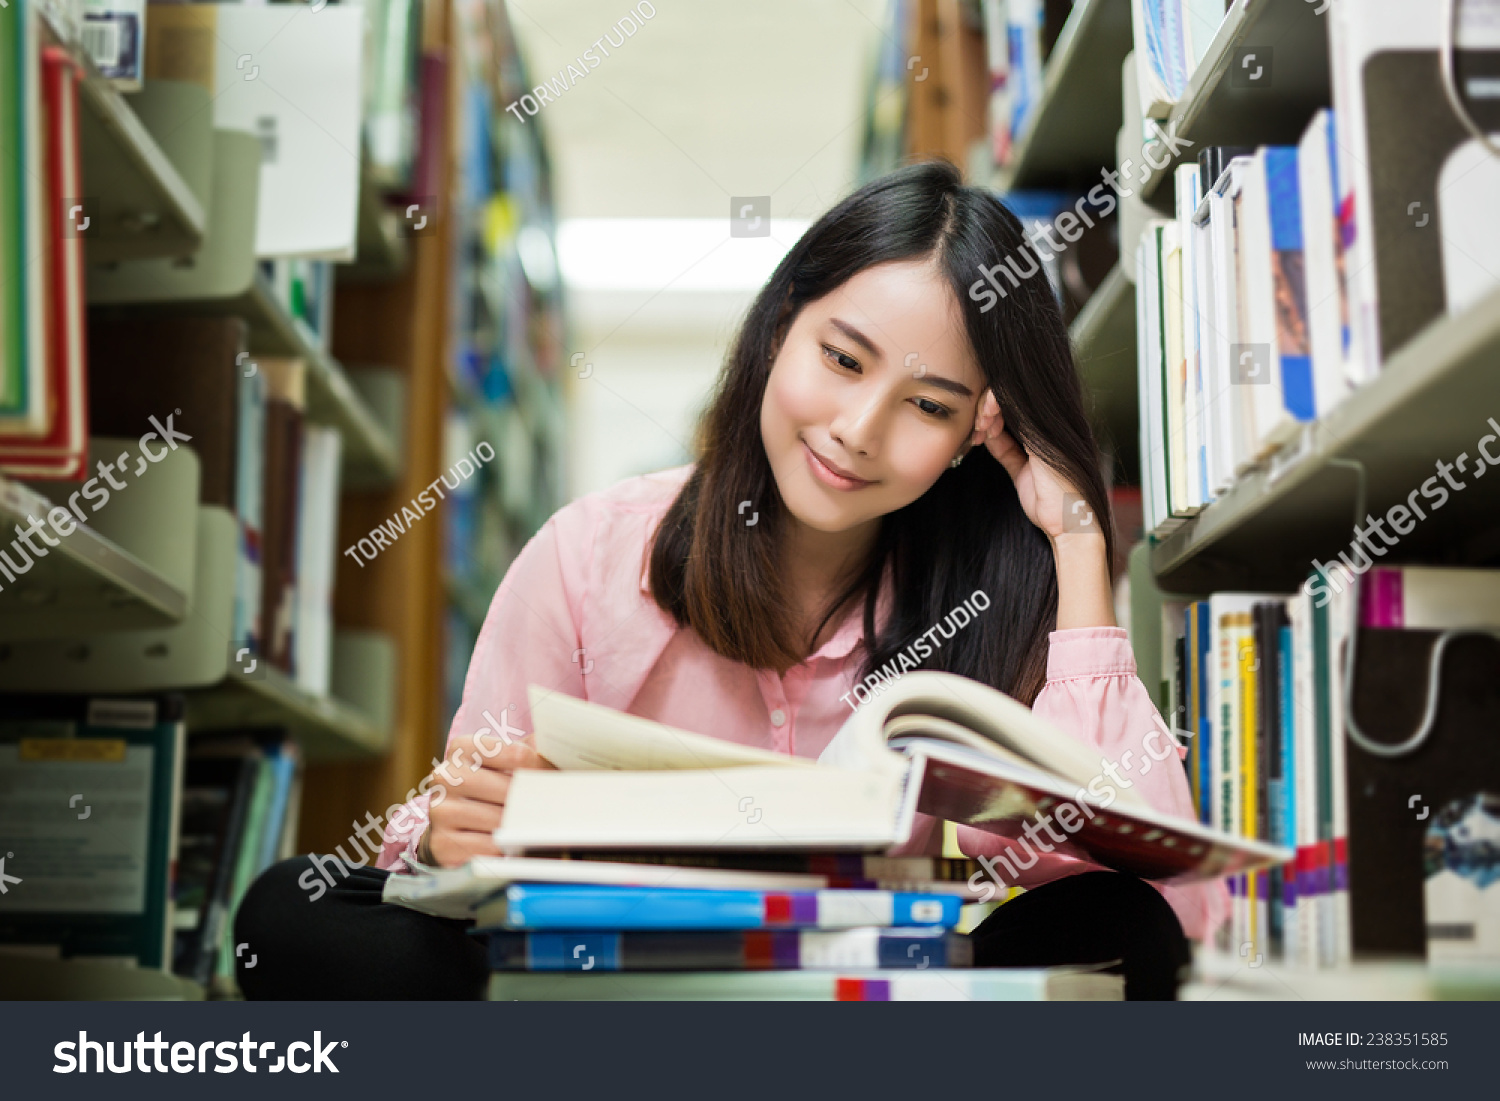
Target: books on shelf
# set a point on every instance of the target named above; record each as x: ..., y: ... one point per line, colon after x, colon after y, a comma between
x: 244, y: 788
x: 977, y: 985
x: 1416, y: 187
x: 1239, y: 333
x: 1266, y: 691
x: 1171, y: 38
x: 43, y: 352
x: 89, y: 825
x: 390, y: 107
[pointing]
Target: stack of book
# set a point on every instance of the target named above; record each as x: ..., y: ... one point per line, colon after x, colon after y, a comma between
x: 655, y: 849
x: 1384, y: 842
x: 706, y: 925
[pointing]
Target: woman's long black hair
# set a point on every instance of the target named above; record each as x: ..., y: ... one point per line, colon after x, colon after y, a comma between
x: 724, y: 579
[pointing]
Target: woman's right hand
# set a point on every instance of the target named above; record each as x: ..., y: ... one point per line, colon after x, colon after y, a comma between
x: 474, y: 780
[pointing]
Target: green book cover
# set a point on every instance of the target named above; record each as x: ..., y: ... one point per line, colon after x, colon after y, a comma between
x: 12, y: 209
x: 246, y: 865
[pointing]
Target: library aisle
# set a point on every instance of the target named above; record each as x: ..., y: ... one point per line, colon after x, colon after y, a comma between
x: 314, y: 315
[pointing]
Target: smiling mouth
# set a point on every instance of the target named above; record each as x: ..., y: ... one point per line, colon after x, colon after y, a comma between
x: 830, y: 475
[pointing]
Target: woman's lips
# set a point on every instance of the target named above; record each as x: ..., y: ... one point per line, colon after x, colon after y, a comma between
x: 829, y: 476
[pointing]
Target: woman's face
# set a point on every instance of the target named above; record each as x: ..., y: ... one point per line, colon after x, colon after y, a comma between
x: 872, y: 395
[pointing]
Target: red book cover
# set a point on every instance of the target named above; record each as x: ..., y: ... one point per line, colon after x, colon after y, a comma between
x: 63, y: 452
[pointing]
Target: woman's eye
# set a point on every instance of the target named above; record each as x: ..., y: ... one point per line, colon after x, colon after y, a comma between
x: 848, y: 362
x: 927, y: 405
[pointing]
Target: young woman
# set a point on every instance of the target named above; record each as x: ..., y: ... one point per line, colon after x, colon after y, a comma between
x: 836, y: 513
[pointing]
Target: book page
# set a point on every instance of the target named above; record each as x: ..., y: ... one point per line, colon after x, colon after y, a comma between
x: 576, y: 734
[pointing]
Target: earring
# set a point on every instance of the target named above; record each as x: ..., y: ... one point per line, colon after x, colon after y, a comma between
x: 957, y: 459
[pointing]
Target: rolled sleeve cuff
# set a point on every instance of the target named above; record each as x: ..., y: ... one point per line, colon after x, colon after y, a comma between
x: 1090, y: 652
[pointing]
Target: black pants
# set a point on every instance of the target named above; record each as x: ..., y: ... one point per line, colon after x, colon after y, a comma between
x: 347, y: 944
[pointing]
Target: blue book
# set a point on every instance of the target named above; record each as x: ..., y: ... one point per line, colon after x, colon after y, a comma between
x: 577, y: 907
x: 730, y: 950
x: 283, y: 768
x: 1287, y: 269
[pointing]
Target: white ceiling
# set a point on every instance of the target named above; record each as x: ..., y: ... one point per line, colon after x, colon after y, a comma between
x: 710, y: 99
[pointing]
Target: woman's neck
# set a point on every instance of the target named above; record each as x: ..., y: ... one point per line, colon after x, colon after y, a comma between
x: 818, y: 566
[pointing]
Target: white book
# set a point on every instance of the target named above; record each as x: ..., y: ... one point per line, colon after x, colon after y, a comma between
x: 1327, y: 303
x: 293, y: 76
x: 1225, y: 396
x: 959, y: 748
x: 1257, y: 374
x: 1432, y: 598
x: 1151, y: 293
x: 1174, y: 372
x: 1340, y: 623
x: 317, y: 558
x: 1145, y: 313
x: 1187, y: 204
x: 931, y: 985
x: 1203, y: 297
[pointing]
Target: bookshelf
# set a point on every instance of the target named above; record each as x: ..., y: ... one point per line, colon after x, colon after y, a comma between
x: 91, y: 579
x: 1072, y: 130
x: 1220, y: 107
x: 1429, y: 402
x: 146, y: 206
x: 1103, y: 337
x: 326, y: 727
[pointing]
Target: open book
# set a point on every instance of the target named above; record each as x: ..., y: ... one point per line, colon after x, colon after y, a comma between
x: 932, y: 742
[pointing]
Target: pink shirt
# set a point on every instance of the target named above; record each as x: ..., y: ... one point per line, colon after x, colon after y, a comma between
x: 575, y: 614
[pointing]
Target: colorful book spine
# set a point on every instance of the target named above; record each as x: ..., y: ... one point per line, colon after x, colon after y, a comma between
x: 749, y: 950
x: 1205, y: 715
x: 1293, y: 349
x: 538, y: 906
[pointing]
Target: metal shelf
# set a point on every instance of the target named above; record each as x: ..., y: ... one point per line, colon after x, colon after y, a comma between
x: 1103, y: 336
x: 145, y: 207
x: 84, y: 575
x: 1430, y: 402
x: 1222, y: 106
x: 1071, y: 136
x: 28, y: 978
x: 326, y: 728
x: 371, y: 455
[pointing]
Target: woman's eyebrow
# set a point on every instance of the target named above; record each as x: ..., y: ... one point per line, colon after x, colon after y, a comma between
x: 948, y: 384
x: 855, y: 335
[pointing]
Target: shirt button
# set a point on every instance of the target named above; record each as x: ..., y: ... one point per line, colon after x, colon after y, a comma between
x: 778, y: 717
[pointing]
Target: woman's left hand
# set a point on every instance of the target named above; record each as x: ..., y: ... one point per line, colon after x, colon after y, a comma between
x: 1045, y: 494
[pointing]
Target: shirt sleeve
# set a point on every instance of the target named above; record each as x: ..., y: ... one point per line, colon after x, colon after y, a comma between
x: 1092, y: 693
x: 529, y: 636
